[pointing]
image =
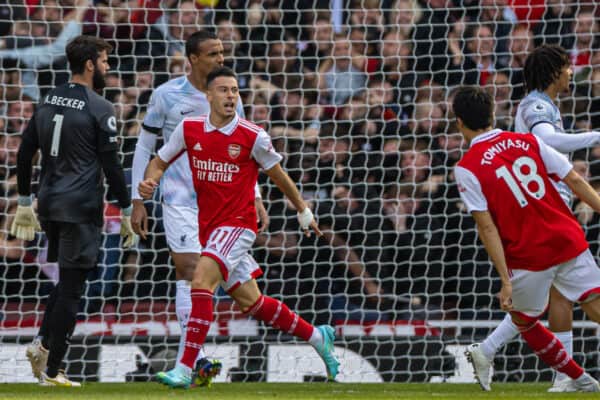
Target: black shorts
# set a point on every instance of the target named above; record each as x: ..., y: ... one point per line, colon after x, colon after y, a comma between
x: 73, y: 245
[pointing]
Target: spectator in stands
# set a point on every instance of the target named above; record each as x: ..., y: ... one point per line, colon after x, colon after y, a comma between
x: 234, y: 52
x: 553, y: 28
x: 282, y: 63
x: 10, y: 12
x: 500, y: 88
x: 9, y: 145
x: 396, y: 65
x: 333, y: 156
x: 320, y: 43
x: 10, y: 80
x: 345, y: 223
x: 479, y: 60
x: 448, y: 150
x: 49, y: 19
x: 258, y: 111
x: 384, y: 111
x: 428, y: 121
x: 18, y: 114
x: 415, y: 166
x: 52, y: 54
x: 295, y: 114
x: 174, y: 27
x: 403, y: 17
x: 343, y: 79
x: 412, y: 243
x: 521, y: 44
x: 585, y: 29
x: 499, y: 17
x: 431, y: 34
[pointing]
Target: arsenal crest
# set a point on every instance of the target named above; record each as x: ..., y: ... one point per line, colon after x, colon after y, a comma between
x: 234, y: 150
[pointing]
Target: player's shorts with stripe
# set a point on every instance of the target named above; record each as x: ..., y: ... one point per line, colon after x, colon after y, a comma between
x: 577, y: 279
x: 230, y: 248
x: 181, y: 228
x: 73, y: 245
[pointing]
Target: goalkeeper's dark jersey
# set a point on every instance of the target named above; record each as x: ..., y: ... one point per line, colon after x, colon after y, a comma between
x: 72, y: 126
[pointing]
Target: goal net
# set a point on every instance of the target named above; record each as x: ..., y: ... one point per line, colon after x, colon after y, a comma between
x: 355, y: 95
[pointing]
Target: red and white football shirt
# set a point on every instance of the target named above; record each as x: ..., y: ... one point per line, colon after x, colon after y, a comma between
x: 509, y: 174
x: 224, y: 164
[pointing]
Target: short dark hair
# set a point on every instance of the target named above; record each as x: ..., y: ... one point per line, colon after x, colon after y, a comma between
x: 195, y: 39
x: 474, y: 106
x: 544, y: 65
x: 84, y: 48
x: 217, y: 72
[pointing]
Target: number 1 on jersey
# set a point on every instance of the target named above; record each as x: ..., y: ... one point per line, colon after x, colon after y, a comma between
x: 524, y: 179
x: 58, y: 122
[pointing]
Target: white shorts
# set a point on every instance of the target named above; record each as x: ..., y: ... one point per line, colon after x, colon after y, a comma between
x: 577, y: 279
x: 181, y: 228
x: 230, y: 248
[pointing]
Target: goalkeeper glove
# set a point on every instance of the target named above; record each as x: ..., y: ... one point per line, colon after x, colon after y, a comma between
x: 25, y: 224
x: 127, y: 233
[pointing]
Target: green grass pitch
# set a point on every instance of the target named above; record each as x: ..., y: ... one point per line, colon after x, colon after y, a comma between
x: 266, y: 391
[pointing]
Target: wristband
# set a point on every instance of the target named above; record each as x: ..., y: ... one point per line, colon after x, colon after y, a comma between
x: 127, y: 211
x: 305, y: 218
x: 25, y: 200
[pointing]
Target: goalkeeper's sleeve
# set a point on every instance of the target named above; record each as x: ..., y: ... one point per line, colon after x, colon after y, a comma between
x: 116, y: 178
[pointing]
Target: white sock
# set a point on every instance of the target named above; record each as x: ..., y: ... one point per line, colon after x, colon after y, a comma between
x: 566, y: 338
x: 183, y: 308
x: 498, y: 338
x: 184, y: 368
x: 316, y: 338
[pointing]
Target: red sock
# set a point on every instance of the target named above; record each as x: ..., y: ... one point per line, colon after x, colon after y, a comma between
x: 551, y: 350
x: 278, y: 315
x: 198, y: 324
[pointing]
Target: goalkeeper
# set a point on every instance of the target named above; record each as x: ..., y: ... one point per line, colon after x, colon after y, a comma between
x: 76, y: 131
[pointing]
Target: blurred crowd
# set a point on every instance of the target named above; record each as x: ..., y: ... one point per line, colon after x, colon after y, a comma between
x: 354, y: 94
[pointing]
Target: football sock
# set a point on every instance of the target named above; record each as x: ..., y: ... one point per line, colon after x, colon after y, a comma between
x: 550, y: 350
x: 44, y: 332
x: 64, y: 315
x: 183, y: 308
x: 198, y: 325
x: 566, y: 338
x: 276, y: 314
x: 504, y: 332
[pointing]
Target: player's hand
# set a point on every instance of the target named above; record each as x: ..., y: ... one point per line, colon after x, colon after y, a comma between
x: 307, y: 220
x: 146, y: 188
x: 25, y: 224
x: 261, y: 215
x: 505, y: 296
x: 127, y: 233
x: 139, y: 219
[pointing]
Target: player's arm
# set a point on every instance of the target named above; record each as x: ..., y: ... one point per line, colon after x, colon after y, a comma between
x: 558, y: 164
x: 144, y: 148
x: 159, y: 164
x: 266, y: 156
x: 261, y: 212
x: 108, y: 155
x: 565, y: 142
x: 25, y: 223
x: 488, y: 233
x: 475, y: 201
x: 583, y: 190
x: 285, y: 184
